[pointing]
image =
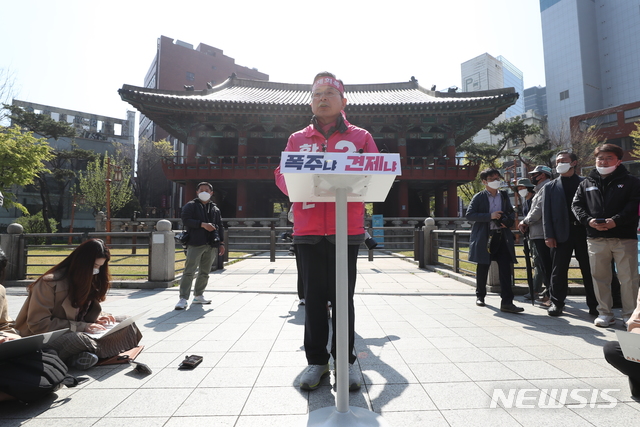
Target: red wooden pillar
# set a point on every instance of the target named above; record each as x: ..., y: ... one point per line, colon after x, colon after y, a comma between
x: 452, y: 198
x: 403, y: 199
x: 192, y: 148
x: 242, y: 150
x: 439, y: 201
x: 241, y: 200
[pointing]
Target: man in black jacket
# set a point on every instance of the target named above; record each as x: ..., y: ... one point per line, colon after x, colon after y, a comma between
x: 203, y: 223
x: 606, y: 203
x: 565, y: 235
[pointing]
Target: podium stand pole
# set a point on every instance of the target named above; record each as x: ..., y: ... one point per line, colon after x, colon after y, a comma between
x: 342, y: 302
x: 343, y: 415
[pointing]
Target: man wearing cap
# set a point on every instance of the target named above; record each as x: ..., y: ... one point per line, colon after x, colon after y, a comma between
x: 524, y: 187
x: 314, y: 229
x: 532, y: 223
x: 491, y: 238
x: 606, y: 203
x: 564, y: 235
x: 526, y: 191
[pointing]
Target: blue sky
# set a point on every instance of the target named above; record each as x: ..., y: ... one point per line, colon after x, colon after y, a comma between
x: 77, y: 54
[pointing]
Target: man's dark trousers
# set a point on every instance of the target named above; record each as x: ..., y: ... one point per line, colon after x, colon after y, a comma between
x: 319, y: 272
x: 561, y: 258
x: 503, y: 258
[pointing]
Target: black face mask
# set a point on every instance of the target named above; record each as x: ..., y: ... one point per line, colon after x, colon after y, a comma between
x: 534, y: 180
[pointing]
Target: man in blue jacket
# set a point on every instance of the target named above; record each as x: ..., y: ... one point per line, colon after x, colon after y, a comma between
x: 203, y: 222
x: 492, y: 239
x: 606, y: 203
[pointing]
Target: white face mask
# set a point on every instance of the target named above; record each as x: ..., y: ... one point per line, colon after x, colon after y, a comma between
x: 96, y: 271
x: 563, y: 168
x: 523, y: 193
x: 204, y: 196
x: 606, y: 171
x: 495, y: 184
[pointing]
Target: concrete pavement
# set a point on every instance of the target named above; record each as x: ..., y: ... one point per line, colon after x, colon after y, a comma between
x: 427, y: 354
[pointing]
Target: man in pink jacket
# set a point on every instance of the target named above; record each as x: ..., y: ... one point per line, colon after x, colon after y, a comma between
x: 314, y: 228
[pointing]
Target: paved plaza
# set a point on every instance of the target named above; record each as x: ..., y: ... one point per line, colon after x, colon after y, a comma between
x: 428, y: 357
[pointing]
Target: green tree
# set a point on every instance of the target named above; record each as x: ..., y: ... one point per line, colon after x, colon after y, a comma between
x: 35, y: 224
x: 635, y: 136
x: 54, y: 182
x: 512, y: 133
x: 93, y: 185
x: 22, y: 158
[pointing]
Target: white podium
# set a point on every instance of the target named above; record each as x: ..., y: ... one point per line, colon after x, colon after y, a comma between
x: 340, y: 177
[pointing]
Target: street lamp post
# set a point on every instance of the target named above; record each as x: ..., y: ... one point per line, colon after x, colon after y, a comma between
x: 73, y: 211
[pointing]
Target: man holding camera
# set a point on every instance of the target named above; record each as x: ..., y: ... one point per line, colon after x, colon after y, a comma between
x: 203, y: 223
x: 492, y: 239
x: 606, y: 203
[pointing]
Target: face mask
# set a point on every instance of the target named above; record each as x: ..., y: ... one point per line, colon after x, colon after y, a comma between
x: 96, y: 271
x: 523, y: 193
x: 494, y: 184
x: 606, y: 171
x: 563, y: 168
x: 204, y: 196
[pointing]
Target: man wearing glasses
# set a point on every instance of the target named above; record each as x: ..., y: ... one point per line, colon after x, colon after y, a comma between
x: 314, y: 229
x: 606, y: 203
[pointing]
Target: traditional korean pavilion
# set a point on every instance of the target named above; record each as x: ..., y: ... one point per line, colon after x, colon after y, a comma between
x: 233, y: 135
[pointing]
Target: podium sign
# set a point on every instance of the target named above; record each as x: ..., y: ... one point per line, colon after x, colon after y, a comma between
x: 314, y: 177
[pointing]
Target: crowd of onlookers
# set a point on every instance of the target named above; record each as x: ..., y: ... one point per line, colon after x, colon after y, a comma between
x: 592, y: 218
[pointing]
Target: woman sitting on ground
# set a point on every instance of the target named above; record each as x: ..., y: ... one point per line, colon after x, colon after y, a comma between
x: 69, y: 296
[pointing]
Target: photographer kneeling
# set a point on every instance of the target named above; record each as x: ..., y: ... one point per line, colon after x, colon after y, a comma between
x: 492, y: 239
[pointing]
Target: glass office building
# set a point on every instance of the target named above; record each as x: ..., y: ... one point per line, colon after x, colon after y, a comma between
x: 591, y: 55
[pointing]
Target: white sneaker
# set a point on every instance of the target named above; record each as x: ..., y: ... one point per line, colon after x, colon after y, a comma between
x: 604, y: 321
x: 200, y: 300
x: 182, y: 304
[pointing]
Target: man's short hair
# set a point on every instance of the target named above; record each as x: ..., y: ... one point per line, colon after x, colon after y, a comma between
x: 572, y: 156
x: 609, y: 148
x: 488, y: 172
x: 204, y: 183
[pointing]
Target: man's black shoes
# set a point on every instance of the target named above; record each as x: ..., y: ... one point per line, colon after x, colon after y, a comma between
x: 511, y: 308
x: 480, y: 302
x: 554, y: 310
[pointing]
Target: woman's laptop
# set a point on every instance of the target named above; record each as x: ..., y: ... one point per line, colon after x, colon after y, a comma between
x: 15, y: 348
x: 630, y: 345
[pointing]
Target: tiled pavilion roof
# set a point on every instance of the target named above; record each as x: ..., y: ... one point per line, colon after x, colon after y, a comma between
x: 248, y: 94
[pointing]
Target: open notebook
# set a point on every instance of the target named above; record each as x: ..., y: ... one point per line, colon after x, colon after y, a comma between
x: 120, y: 325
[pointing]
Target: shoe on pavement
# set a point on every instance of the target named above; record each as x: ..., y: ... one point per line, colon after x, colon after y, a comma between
x: 480, y: 302
x: 302, y: 301
x: 554, y: 310
x: 182, y: 304
x: 355, y: 379
x: 200, y: 300
x: 310, y: 379
x: 511, y: 308
x: 84, y: 360
x: 604, y: 321
x: 542, y: 298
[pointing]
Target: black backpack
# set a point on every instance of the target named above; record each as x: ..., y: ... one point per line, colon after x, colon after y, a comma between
x: 34, y: 375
